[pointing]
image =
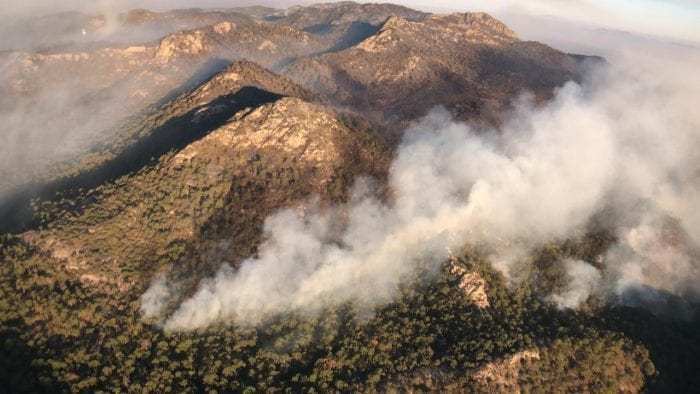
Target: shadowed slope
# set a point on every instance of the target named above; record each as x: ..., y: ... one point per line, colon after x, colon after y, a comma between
x: 170, y: 128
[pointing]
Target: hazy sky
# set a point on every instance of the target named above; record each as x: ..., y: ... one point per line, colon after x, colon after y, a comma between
x: 679, y: 19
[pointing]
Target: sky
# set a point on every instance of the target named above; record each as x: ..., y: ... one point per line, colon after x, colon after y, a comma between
x: 676, y: 19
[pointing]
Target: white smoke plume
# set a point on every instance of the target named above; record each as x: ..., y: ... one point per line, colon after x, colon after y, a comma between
x: 155, y: 299
x: 583, y: 281
x: 652, y: 254
x: 626, y: 142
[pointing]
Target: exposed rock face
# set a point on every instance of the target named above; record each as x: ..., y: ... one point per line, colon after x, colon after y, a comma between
x: 79, y: 31
x: 256, y: 41
x: 502, y: 376
x: 223, y: 27
x: 190, y: 43
x: 473, y: 285
x: 290, y: 127
x: 196, y: 148
x: 470, y: 63
x: 343, y: 24
x: 169, y: 62
x: 477, y: 27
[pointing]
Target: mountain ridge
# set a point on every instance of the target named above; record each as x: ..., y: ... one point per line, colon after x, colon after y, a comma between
x: 229, y: 117
x: 469, y: 63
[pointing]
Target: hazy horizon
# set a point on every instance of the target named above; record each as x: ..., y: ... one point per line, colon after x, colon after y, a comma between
x: 675, y: 20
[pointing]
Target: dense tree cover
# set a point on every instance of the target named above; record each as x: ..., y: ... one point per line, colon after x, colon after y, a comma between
x: 69, y: 302
x: 60, y: 334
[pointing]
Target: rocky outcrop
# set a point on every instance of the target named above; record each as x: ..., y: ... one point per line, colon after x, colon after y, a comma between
x: 501, y: 376
x: 472, y: 284
x: 188, y: 43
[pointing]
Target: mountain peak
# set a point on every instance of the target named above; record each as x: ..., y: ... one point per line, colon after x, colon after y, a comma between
x: 478, y: 23
x: 394, y: 22
x: 386, y: 37
x: 476, y: 28
x: 242, y: 73
x: 190, y: 43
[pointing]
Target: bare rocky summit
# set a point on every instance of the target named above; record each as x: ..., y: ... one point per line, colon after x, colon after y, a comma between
x: 314, y: 16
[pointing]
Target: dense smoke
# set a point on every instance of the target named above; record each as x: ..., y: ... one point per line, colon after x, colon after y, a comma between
x: 625, y: 143
x: 583, y: 281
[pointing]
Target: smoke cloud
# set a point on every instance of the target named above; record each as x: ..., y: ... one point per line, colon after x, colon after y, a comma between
x: 583, y: 280
x: 625, y: 142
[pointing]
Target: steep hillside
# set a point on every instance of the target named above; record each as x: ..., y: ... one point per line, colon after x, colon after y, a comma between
x: 236, y: 150
x: 470, y: 63
x: 83, y: 96
x: 246, y: 136
x: 259, y: 160
x: 155, y: 151
x: 143, y: 137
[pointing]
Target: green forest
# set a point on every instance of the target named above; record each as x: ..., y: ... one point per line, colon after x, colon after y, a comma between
x: 60, y: 335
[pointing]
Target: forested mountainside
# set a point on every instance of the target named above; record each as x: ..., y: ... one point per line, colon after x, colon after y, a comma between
x: 182, y: 133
